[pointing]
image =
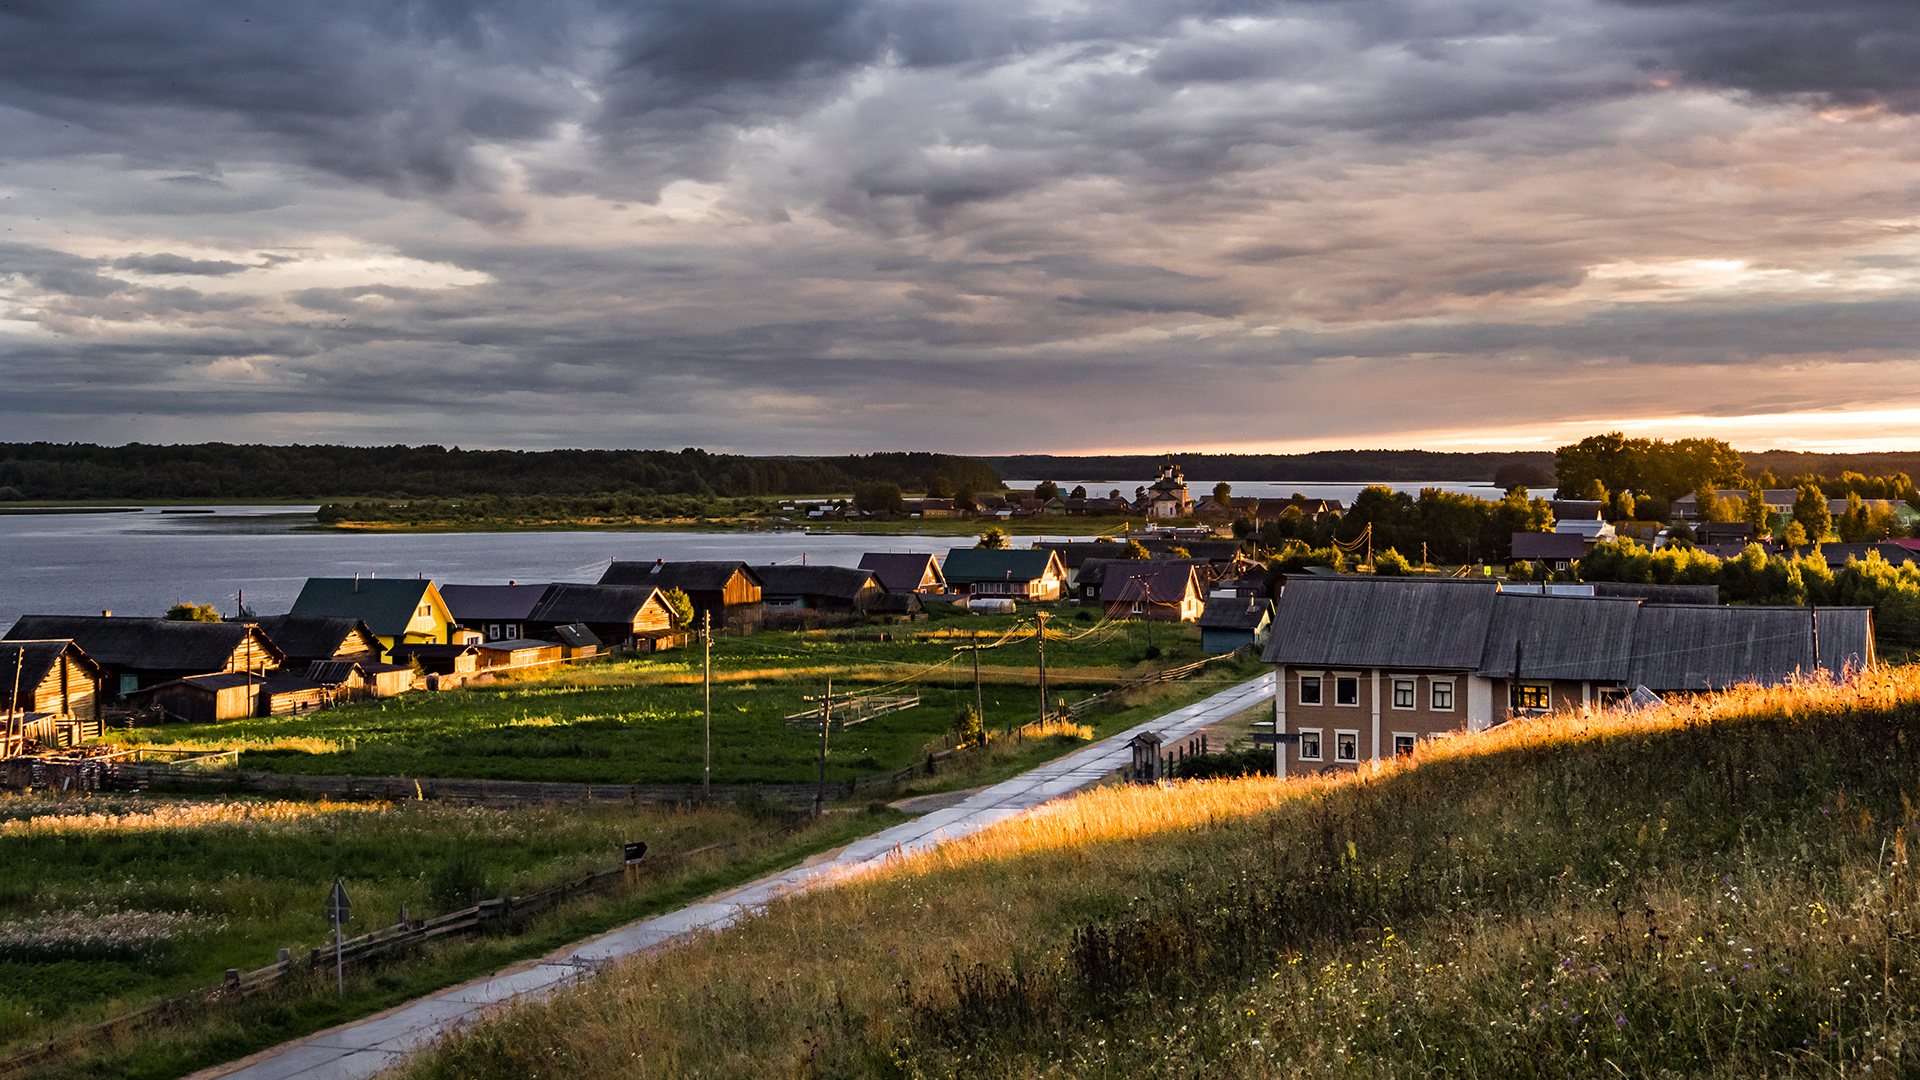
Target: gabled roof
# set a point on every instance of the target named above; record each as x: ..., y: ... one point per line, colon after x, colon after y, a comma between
x: 315, y: 635
x: 901, y: 572
x: 1095, y: 571
x: 386, y: 604
x: 1533, y: 545
x: 1152, y: 581
x: 477, y: 603
x: 687, y: 576
x: 1559, y: 637
x: 35, y: 659
x: 333, y: 672
x: 1236, y: 613
x: 967, y: 566
x: 1690, y: 647
x: 839, y: 582
x: 146, y: 644
x: 1382, y: 622
x: 567, y: 603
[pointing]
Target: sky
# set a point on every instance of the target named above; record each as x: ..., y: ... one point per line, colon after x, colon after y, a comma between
x: 975, y: 226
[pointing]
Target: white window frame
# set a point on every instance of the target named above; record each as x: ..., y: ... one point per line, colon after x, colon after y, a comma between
x: 1413, y: 692
x: 1433, y: 691
x: 1319, y: 744
x: 1319, y: 687
x: 1413, y: 740
x: 493, y: 631
x: 1353, y: 678
x: 1343, y: 734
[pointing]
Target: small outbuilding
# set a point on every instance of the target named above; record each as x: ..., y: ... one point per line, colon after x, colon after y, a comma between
x: 1233, y: 622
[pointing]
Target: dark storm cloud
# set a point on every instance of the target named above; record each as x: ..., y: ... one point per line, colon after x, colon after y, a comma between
x: 177, y: 264
x: 56, y: 271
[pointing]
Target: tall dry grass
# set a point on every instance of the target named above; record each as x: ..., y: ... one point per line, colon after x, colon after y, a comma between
x: 1719, y: 887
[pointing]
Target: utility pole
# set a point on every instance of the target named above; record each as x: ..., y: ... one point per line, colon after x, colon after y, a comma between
x: 706, y: 731
x: 13, y: 703
x: 979, y: 710
x: 1043, y: 667
x: 826, y: 725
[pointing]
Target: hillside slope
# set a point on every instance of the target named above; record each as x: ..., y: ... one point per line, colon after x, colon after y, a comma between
x: 1719, y: 888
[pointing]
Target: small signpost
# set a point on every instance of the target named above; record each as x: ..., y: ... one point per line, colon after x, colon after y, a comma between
x: 339, y: 910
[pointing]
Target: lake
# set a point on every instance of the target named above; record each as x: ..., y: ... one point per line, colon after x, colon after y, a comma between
x: 142, y: 563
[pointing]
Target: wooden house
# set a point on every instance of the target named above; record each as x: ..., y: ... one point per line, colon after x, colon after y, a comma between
x: 1091, y: 580
x: 54, y: 676
x: 577, y: 640
x: 630, y: 616
x: 285, y: 695
x: 1368, y: 666
x: 827, y: 590
x: 307, y: 639
x: 519, y: 653
x: 138, y: 653
x: 401, y: 611
x: 1032, y: 574
x: 496, y: 612
x: 1234, y: 622
x: 388, y: 680
x: 905, y: 572
x: 345, y: 680
x: 1163, y: 590
x: 436, y: 659
x: 729, y: 592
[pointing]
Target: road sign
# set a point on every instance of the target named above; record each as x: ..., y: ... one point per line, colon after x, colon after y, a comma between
x: 636, y: 851
x: 1263, y: 738
x: 339, y: 908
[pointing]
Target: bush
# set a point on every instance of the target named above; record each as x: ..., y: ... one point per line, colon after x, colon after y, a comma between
x: 1391, y: 562
x: 967, y: 727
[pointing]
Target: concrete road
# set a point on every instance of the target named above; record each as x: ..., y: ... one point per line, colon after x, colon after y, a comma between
x: 364, y: 1048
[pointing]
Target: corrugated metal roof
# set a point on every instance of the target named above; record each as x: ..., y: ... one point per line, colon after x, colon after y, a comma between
x: 1691, y: 647
x: 1559, y: 637
x: 966, y: 566
x: 901, y: 572
x: 1382, y: 622
x: 1156, y: 581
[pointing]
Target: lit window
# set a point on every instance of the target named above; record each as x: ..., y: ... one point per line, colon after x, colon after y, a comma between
x: 1310, y: 745
x: 1532, y: 696
x: 1309, y: 689
x: 425, y: 610
x: 1346, y: 745
x: 1403, y: 693
x: 1402, y: 745
x: 1443, y: 696
x: 1346, y: 690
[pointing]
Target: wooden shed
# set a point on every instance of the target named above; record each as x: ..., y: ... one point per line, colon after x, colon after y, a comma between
x: 439, y: 659
x: 820, y: 589
x: 388, y: 680
x: 345, y: 680
x: 728, y: 591
x: 284, y: 695
x: 54, y: 676
x: 519, y: 653
x: 631, y: 615
x: 310, y: 638
x: 204, y: 699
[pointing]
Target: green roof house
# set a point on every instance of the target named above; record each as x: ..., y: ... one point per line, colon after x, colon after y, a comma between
x: 400, y: 611
x: 1030, y: 574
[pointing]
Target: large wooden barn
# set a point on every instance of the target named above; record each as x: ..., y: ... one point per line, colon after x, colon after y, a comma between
x: 139, y: 653
x: 54, y: 676
x: 728, y: 591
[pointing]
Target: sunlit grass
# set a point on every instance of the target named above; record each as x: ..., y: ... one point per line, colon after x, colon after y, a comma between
x: 74, y: 818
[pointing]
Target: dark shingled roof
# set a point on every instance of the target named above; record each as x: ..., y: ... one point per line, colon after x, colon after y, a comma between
x: 476, y: 603
x: 1095, y: 571
x: 333, y: 672
x: 565, y: 603
x: 901, y: 572
x: 839, y: 582
x: 687, y: 576
x: 1235, y: 613
x: 314, y: 635
x: 35, y: 660
x: 577, y: 636
x: 1382, y: 622
x: 1559, y: 637
x: 967, y: 566
x: 144, y: 644
x: 386, y: 604
x: 1689, y: 647
x: 1532, y: 545
x: 1158, y: 581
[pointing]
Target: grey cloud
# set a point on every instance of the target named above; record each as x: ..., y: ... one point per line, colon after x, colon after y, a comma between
x: 57, y: 271
x: 178, y: 264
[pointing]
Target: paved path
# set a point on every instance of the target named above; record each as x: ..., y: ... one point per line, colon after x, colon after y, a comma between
x: 364, y: 1048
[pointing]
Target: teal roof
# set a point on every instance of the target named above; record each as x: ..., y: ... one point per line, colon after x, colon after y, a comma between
x: 966, y: 566
x: 387, y: 605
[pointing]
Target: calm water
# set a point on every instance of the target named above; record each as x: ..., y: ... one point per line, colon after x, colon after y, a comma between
x: 144, y: 562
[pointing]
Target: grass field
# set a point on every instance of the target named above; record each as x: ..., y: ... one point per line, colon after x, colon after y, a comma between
x: 1718, y: 888
x: 640, y: 720
x: 110, y: 902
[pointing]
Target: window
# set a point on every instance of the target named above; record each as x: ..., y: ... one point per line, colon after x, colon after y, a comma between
x: 1402, y: 744
x: 1403, y: 693
x: 1346, y: 690
x: 493, y: 631
x: 1443, y: 695
x: 1310, y: 745
x: 512, y: 631
x: 1346, y: 745
x: 1309, y: 689
x: 424, y: 610
x: 1532, y: 695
